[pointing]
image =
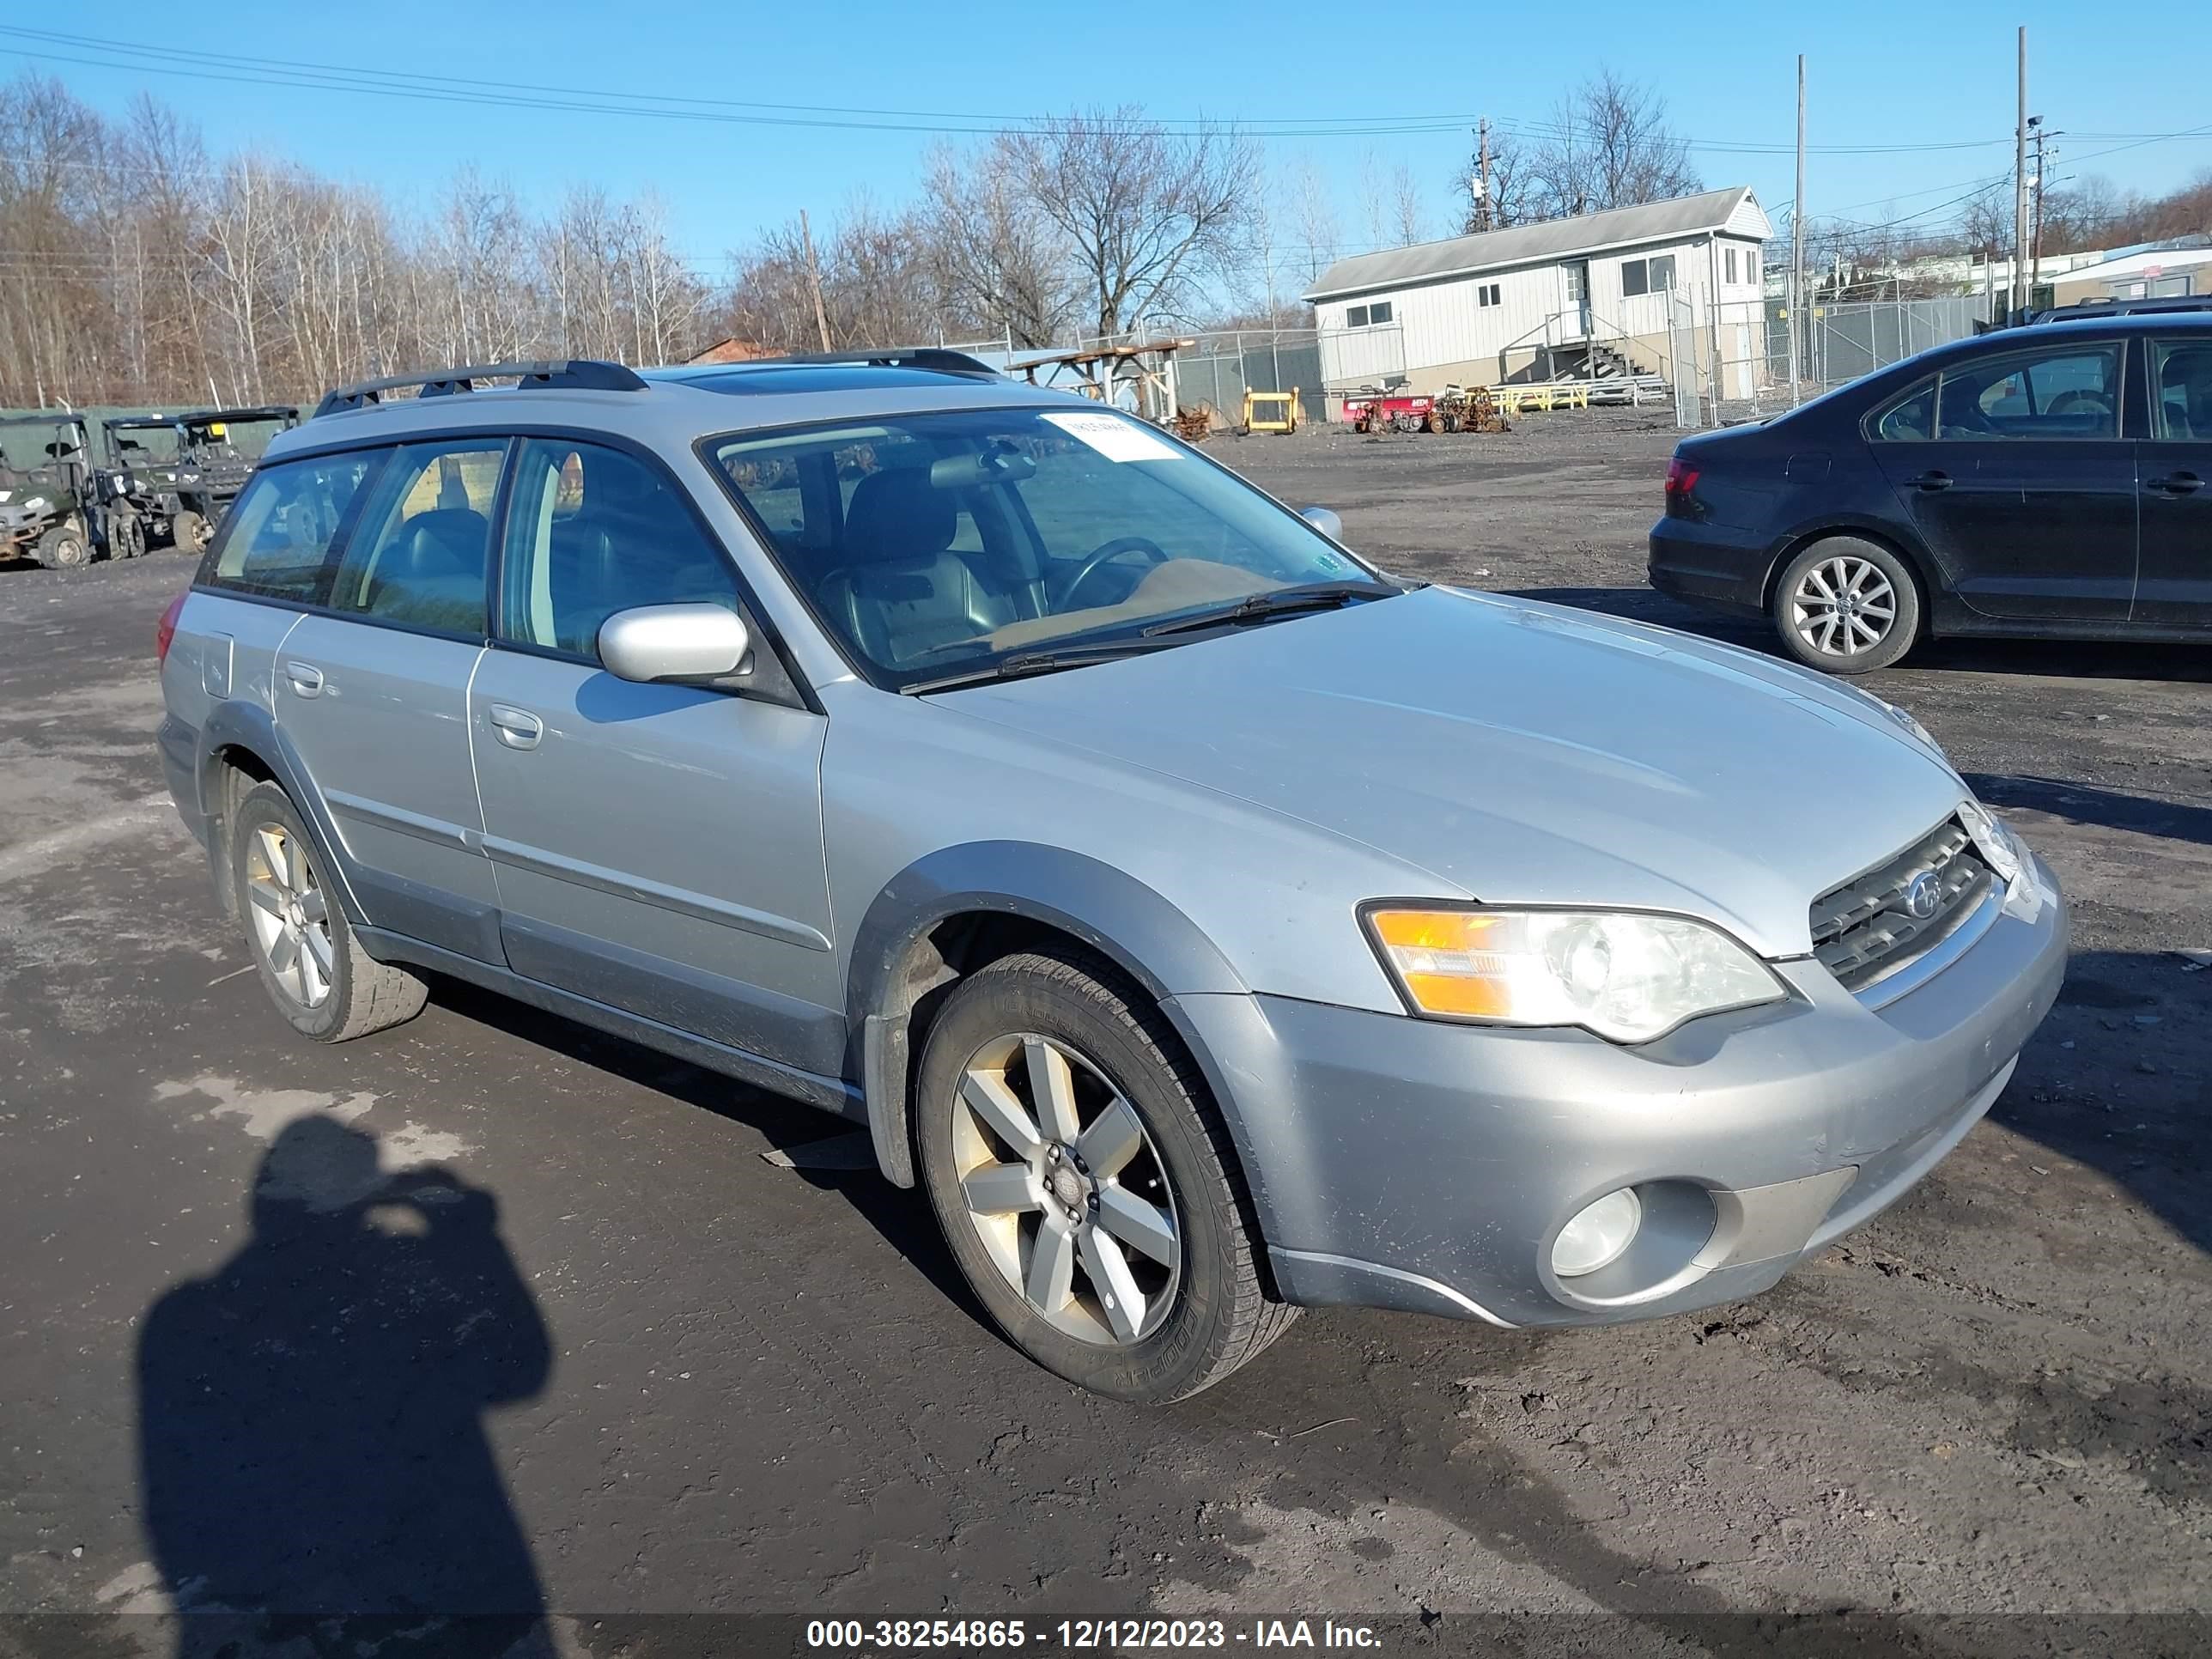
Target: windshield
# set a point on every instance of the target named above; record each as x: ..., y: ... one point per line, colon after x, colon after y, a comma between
x: 144, y: 446
x: 938, y: 542
x: 34, y: 446
x: 244, y: 440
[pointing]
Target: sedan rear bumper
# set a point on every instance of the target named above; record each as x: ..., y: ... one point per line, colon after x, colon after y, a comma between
x: 1715, y: 566
x: 1411, y: 1163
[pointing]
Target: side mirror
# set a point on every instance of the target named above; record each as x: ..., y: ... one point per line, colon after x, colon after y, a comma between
x: 1323, y: 520
x: 679, y: 644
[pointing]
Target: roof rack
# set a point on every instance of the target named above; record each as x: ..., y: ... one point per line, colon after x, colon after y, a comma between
x: 573, y: 374
x: 929, y: 357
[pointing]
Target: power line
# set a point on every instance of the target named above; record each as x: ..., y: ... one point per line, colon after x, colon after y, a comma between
x: 238, y: 68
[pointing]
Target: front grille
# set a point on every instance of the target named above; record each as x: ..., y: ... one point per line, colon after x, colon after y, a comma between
x: 1865, y: 928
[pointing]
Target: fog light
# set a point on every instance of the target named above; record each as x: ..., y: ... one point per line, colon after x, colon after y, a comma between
x: 1598, y: 1235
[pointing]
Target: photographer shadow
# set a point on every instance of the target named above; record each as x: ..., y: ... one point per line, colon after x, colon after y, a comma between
x: 314, y: 1469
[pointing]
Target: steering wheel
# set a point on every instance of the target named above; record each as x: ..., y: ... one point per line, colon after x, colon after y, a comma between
x: 1105, y: 554
x: 2081, y: 401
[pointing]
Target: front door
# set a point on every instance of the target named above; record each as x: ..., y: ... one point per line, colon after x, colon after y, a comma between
x: 374, y: 692
x: 2025, y: 495
x: 2174, y: 589
x: 658, y: 847
x: 1576, y: 324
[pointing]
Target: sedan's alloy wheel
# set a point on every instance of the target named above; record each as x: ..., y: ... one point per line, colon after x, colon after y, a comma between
x: 1843, y: 606
x: 290, y: 917
x: 1065, y: 1190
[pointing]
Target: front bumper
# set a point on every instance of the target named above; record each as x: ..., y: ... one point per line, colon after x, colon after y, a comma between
x: 1411, y: 1163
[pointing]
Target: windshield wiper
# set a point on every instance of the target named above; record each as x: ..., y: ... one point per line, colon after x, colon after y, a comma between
x: 1278, y: 602
x: 1023, y: 664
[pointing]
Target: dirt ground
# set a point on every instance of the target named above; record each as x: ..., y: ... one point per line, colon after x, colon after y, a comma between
x: 1980, y: 1425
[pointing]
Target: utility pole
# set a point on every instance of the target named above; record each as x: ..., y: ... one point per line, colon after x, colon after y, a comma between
x: 1797, y: 240
x: 2045, y: 154
x: 814, y: 281
x: 1482, y: 213
x: 2018, y: 287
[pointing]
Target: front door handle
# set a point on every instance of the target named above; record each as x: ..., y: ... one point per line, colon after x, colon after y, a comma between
x: 2176, y: 484
x: 1931, y: 481
x: 306, y: 678
x: 518, y: 728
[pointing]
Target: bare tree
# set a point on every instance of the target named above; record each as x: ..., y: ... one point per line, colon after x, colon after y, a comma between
x: 997, y: 260
x: 1610, y: 147
x: 1147, y: 217
x: 1312, y: 217
x: 1408, y: 213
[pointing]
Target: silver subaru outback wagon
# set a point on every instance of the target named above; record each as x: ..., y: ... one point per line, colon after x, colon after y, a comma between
x: 1211, y: 925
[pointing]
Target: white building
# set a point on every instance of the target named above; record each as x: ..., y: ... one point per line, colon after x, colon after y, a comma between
x: 1589, y: 294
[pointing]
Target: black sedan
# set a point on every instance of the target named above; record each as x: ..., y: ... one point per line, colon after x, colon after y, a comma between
x: 2053, y: 480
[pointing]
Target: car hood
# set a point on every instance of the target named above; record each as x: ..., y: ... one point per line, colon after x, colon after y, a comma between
x: 1522, y: 753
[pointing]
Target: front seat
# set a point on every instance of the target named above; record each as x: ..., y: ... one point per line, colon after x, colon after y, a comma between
x: 897, y: 586
x: 2185, y: 389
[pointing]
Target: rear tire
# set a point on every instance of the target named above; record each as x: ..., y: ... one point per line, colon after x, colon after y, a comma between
x: 326, y: 987
x: 1129, y: 1182
x: 1847, y: 606
x: 63, y: 548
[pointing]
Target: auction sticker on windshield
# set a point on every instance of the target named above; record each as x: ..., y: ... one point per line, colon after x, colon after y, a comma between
x: 1116, y: 438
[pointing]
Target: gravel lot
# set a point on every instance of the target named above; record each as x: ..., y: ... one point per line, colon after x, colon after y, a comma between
x: 761, y: 1392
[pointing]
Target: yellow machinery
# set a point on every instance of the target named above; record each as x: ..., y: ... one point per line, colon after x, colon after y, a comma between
x: 1284, y: 405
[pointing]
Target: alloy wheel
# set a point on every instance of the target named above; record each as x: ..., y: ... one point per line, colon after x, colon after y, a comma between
x: 1843, y: 607
x: 290, y: 916
x: 1065, y: 1190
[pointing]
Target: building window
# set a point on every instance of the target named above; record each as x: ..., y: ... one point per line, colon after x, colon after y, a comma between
x: 1729, y: 264
x: 1486, y: 294
x: 1367, y: 316
x: 1647, y: 276
x: 1751, y: 265
x: 1379, y: 313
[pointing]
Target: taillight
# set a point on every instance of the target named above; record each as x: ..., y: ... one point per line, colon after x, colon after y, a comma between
x: 1681, y: 478
x: 165, y: 629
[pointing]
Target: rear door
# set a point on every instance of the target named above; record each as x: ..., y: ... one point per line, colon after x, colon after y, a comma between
x: 658, y: 847
x: 2024, y: 491
x: 373, y: 692
x: 2175, y: 464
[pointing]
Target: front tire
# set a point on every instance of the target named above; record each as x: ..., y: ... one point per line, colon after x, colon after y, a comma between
x: 1847, y: 606
x: 326, y: 987
x: 190, y: 533
x: 65, y: 548
x: 1085, y: 1184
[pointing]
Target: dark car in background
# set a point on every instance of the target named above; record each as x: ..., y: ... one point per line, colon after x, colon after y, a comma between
x: 2050, y: 482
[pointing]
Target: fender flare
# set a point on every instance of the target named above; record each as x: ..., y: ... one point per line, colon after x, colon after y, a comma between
x: 893, y: 966
x: 236, y: 723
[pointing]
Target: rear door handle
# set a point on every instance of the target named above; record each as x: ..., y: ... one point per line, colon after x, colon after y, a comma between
x: 306, y: 678
x: 518, y: 728
x: 2176, y: 484
x: 1932, y: 481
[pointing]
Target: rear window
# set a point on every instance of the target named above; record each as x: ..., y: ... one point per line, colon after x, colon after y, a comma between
x: 276, y: 538
x: 1909, y: 417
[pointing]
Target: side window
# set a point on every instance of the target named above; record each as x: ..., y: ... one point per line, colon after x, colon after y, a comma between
x: 417, y: 557
x: 627, y: 540
x: 2072, y: 393
x: 2181, y: 391
x: 1909, y: 417
x: 278, y: 537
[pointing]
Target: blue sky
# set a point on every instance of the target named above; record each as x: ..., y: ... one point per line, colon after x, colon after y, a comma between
x: 1936, y: 73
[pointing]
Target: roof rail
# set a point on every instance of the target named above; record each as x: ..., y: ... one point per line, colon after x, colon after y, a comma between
x: 575, y: 375
x: 930, y: 357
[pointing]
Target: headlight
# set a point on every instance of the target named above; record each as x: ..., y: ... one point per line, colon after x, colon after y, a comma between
x: 35, y: 503
x: 2003, y: 851
x: 1626, y: 976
